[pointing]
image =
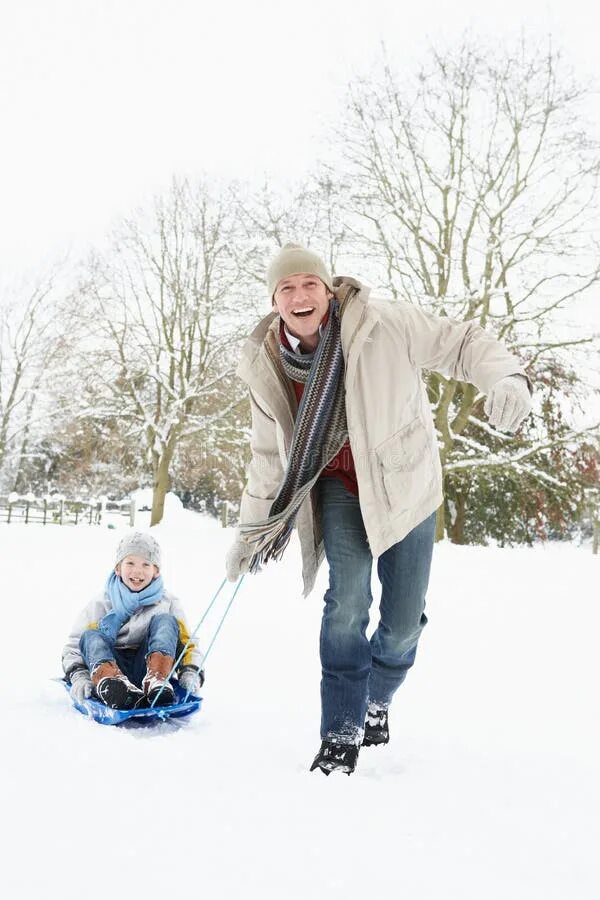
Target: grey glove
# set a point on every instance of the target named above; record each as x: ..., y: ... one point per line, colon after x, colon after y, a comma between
x: 508, y: 403
x: 191, y: 680
x: 81, y: 685
x: 237, y: 559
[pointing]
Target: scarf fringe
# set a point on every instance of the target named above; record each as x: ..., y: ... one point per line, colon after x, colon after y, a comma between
x: 270, y: 538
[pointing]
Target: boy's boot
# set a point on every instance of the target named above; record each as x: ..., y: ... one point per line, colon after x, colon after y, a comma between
x: 113, y: 688
x: 334, y: 757
x: 156, y: 680
x: 377, y: 729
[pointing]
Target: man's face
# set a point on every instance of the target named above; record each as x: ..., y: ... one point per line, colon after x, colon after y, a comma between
x: 136, y: 572
x: 302, y: 301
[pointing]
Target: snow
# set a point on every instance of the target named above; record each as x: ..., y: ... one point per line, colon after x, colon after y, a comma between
x: 488, y: 790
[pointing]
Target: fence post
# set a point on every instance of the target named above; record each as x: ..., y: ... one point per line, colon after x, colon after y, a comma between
x: 27, y: 512
x: 61, y: 507
x: 132, y: 512
x: 10, y: 506
x: 45, y: 511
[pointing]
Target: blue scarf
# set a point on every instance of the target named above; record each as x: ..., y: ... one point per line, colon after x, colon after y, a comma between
x: 125, y: 602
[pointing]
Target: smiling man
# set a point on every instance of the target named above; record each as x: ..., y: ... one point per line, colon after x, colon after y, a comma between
x: 344, y: 448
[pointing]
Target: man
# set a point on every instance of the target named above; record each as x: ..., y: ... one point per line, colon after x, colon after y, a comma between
x: 344, y: 447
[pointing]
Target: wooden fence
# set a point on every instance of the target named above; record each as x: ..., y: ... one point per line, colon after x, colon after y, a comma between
x: 60, y: 511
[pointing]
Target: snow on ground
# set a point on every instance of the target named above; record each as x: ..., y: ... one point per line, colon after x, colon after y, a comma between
x: 490, y: 788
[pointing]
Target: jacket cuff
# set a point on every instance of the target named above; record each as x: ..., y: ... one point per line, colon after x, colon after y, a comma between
x: 527, y: 379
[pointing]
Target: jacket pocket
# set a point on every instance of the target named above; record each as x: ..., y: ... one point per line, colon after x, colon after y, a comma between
x: 405, y: 466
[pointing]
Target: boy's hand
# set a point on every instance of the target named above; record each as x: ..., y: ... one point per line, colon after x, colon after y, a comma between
x: 81, y: 685
x: 191, y: 680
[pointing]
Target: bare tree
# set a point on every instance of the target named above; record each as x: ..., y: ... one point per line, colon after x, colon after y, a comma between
x: 164, y: 306
x: 475, y: 189
x: 32, y: 342
x: 306, y: 212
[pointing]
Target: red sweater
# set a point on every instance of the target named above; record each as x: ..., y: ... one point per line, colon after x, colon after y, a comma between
x: 342, y: 465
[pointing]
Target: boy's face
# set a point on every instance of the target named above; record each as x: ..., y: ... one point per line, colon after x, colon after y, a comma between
x: 136, y: 572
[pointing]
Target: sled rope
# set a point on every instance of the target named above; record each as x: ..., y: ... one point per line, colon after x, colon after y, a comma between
x: 193, y: 634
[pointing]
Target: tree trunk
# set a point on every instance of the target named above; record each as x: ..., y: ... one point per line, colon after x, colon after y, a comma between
x: 440, y: 523
x: 20, y: 485
x: 160, y: 485
x: 457, y: 528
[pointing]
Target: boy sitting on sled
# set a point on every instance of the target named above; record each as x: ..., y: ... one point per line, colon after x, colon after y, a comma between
x: 124, y: 643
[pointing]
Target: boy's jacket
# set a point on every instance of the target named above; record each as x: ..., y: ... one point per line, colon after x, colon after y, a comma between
x: 133, y: 632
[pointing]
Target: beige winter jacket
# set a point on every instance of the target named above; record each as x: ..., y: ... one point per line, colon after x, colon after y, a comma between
x: 391, y: 430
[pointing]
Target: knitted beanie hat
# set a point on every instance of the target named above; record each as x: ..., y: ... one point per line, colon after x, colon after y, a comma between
x: 139, y: 544
x: 293, y: 259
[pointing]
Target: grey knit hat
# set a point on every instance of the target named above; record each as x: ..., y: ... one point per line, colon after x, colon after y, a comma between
x: 136, y: 543
x: 293, y: 259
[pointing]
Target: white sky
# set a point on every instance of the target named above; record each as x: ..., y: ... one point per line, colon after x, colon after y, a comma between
x: 102, y: 101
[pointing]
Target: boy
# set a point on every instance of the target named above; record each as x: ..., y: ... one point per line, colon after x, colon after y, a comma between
x: 124, y: 643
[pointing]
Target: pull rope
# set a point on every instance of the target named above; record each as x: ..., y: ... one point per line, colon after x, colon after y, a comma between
x: 191, y: 637
x: 218, y: 628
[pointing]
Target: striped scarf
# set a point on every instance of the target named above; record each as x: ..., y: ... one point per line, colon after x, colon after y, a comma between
x: 320, y: 431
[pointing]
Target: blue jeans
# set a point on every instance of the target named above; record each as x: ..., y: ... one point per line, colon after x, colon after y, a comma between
x: 162, y: 636
x: 356, y: 670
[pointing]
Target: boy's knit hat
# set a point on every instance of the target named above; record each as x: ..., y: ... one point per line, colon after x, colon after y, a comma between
x: 293, y: 259
x: 136, y: 543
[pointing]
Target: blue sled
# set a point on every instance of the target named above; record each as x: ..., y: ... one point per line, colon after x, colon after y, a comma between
x: 104, y: 715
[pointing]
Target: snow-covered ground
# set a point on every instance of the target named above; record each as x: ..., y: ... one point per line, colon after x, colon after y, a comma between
x: 489, y: 790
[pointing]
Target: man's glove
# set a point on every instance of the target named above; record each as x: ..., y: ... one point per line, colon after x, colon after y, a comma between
x: 237, y: 559
x: 508, y: 403
x: 81, y: 685
x: 191, y: 680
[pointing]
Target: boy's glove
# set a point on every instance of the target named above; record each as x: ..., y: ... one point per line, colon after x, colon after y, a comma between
x: 508, y: 403
x: 191, y: 680
x: 237, y: 559
x: 81, y: 685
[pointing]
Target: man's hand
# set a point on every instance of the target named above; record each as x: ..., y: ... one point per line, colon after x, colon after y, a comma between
x: 237, y: 559
x: 81, y: 685
x: 508, y: 403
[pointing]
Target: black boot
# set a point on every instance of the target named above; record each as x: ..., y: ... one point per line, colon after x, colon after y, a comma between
x: 161, y: 696
x: 115, y: 690
x: 334, y: 757
x: 377, y: 730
